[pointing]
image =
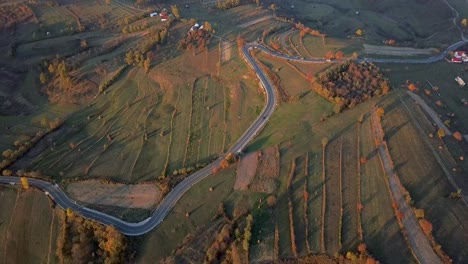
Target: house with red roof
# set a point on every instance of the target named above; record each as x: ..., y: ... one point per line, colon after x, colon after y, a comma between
x: 457, y: 60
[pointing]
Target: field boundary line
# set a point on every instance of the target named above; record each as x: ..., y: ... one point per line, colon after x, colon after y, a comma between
x: 340, y: 224
x: 187, y: 142
x: 50, y: 236
x: 324, y: 193
x: 166, y: 164
x: 358, y: 206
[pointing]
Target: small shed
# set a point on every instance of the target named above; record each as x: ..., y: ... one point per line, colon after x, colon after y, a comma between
x: 460, y: 81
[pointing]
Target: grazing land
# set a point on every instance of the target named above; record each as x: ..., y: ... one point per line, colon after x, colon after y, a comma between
x: 425, y: 180
x: 29, y: 226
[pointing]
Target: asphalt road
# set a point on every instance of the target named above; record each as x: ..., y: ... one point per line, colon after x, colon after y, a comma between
x: 135, y: 229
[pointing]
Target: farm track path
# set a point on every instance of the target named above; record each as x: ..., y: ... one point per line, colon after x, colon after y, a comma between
x: 145, y: 226
x: 419, y: 243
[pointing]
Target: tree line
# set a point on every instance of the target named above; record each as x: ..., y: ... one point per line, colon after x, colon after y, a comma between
x: 350, y: 83
x: 227, y: 4
x: 86, y: 241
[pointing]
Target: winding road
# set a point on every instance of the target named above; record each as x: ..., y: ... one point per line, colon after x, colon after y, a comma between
x: 136, y: 229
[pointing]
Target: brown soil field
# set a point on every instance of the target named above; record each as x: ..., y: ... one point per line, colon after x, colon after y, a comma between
x: 28, y: 227
x: 267, y: 171
x: 145, y: 196
x: 333, y: 196
x: 350, y: 199
x: 246, y: 169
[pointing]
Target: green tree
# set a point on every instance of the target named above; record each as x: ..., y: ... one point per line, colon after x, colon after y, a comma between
x: 175, y: 11
x: 43, y: 78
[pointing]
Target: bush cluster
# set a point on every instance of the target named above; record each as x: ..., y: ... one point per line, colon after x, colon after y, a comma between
x: 107, y: 83
x: 227, y: 4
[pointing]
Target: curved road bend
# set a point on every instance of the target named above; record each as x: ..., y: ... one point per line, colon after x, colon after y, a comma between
x: 135, y: 229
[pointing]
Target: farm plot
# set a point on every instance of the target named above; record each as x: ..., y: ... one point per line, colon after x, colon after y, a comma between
x: 382, y: 234
x: 333, y: 207
x: 55, y: 19
x: 294, y: 82
x: 29, y: 227
x: 315, y: 184
x: 298, y: 197
x: 422, y: 176
x: 350, y: 189
x: 180, y: 129
x: 209, y: 115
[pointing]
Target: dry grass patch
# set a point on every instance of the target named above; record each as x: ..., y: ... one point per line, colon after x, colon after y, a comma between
x: 145, y: 196
x: 267, y: 171
x: 333, y: 197
x: 246, y: 169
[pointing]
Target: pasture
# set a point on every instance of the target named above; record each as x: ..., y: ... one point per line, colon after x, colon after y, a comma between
x: 382, y: 20
x: 29, y: 226
x: 423, y: 177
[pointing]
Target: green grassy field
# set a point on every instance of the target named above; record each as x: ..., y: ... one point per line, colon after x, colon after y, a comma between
x: 380, y: 20
x: 382, y: 234
x: 28, y: 228
x: 420, y: 173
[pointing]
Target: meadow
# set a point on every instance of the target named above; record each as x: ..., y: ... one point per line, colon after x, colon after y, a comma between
x: 29, y: 226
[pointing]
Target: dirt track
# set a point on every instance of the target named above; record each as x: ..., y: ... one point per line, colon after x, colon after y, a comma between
x: 418, y: 241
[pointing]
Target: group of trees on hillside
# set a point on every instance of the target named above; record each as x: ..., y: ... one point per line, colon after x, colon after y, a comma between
x: 86, y: 241
x: 227, y: 4
x: 142, y: 54
x: 197, y: 39
x: 350, y: 83
x: 11, y: 15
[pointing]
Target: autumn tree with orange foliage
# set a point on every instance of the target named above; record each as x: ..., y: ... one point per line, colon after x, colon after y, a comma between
x: 329, y: 55
x: 380, y: 112
x: 458, y: 136
x: 412, y: 87
x: 339, y: 55
x: 426, y: 226
x: 362, y: 248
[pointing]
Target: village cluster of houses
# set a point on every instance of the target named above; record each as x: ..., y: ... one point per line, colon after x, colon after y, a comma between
x: 459, y: 57
x: 164, y: 15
